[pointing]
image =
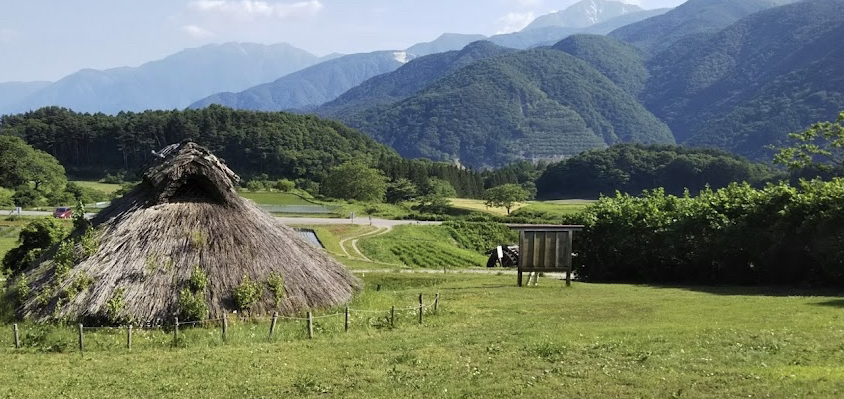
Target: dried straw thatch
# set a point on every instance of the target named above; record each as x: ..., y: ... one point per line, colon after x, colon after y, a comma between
x: 185, y: 214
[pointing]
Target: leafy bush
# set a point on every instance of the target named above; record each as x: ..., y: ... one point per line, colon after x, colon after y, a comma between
x: 276, y: 285
x: 246, y: 294
x: 192, y: 305
x: 737, y: 235
x: 35, y: 237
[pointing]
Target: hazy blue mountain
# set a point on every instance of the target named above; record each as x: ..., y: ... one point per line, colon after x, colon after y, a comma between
x: 533, y: 104
x: 13, y: 92
x: 311, y: 86
x: 621, y: 62
x: 548, y: 35
x: 692, y: 18
x: 173, y: 82
x: 446, y: 42
x: 409, y: 79
x: 771, y: 73
x: 583, y: 14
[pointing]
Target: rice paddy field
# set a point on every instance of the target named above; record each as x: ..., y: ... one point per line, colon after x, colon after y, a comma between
x: 428, y: 247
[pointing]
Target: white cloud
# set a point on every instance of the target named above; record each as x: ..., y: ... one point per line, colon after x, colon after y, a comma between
x: 197, y: 32
x: 515, y: 21
x: 251, y: 9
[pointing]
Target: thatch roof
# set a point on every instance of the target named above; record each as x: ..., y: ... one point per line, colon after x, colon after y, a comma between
x: 185, y: 214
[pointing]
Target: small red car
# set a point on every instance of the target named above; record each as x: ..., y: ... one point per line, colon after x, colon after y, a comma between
x: 63, y: 212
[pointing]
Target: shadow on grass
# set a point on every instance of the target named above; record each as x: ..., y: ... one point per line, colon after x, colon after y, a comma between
x: 835, y: 303
x: 772, y: 291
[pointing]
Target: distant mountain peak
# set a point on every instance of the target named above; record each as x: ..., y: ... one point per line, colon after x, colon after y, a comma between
x: 583, y: 14
x: 402, y: 56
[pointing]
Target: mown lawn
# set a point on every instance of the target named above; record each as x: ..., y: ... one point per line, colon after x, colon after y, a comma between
x: 489, y: 340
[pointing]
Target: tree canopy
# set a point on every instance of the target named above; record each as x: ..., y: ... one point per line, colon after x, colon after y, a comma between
x: 505, y: 196
x: 354, y: 180
x: 20, y: 165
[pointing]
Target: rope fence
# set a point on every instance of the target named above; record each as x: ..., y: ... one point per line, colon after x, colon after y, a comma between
x: 38, y: 335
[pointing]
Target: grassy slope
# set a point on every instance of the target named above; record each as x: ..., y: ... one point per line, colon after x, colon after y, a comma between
x: 104, y: 187
x: 490, y: 339
x: 420, y: 246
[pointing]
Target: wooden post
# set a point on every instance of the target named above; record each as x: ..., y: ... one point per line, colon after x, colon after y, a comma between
x: 129, y: 337
x: 436, y: 302
x: 176, y: 331
x: 310, y: 325
x: 519, y: 278
x: 392, y: 316
x: 81, y: 340
x: 569, y: 249
x: 378, y: 287
x: 346, y: 324
x: 421, y: 308
x: 272, y: 324
x: 17, y: 337
x: 225, y: 326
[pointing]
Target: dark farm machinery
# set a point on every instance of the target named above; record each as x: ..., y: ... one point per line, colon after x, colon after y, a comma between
x: 509, y: 256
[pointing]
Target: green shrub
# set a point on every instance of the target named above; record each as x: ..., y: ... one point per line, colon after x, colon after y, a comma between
x: 246, y: 294
x: 192, y: 305
x: 115, y: 307
x: 198, y: 280
x: 276, y: 285
x: 35, y: 237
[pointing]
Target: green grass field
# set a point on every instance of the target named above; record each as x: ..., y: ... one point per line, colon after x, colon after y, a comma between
x: 490, y: 340
x: 420, y: 246
x: 478, y: 205
x: 276, y: 198
x: 551, y: 208
x: 104, y: 187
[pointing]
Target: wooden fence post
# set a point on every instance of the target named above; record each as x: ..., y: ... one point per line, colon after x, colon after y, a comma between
x: 272, y: 324
x: 310, y: 325
x: 176, y: 331
x: 225, y: 326
x: 81, y: 340
x: 436, y: 302
x: 392, y: 316
x: 17, y: 337
x: 346, y: 324
x: 421, y: 308
x: 129, y: 337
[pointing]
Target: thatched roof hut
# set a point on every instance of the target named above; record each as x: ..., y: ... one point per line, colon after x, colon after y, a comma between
x: 185, y: 216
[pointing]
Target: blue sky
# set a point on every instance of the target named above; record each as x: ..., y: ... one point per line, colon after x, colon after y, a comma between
x: 48, y: 39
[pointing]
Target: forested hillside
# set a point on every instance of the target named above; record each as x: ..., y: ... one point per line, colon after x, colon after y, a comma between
x: 619, y: 61
x: 632, y: 168
x: 407, y: 80
x: 689, y: 21
x: 533, y: 104
x: 311, y: 86
x: 751, y: 84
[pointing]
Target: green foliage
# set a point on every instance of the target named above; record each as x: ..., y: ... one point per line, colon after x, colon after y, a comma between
x: 284, y: 185
x: 89, y: 242
x: 246, y: 293
x: 255, y: 185
x: 26, y: 197
x: 632, y: 168
x: 736, y: 235
x: 21, y: 289
x: 115, y: 307
x: 354, y: 180
x: 192, y: 305
x: 431, y: 247
x: 819, y: 147
x: 505, y: 196
x: 80, y: 283
x: 35, y: 237
x: 275, y: 283
x: 20, y: 165
x: 6, y: 197
x: 198, y: 280
x: 64, y: 258
x: 400, y: 190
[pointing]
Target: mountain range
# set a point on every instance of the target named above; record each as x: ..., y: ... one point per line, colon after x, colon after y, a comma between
x: 733, y: 74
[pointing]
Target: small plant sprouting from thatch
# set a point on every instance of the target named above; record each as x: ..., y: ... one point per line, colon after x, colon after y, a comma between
x: 192, y: 304
x: 246, y: 294
x: 276, y: 285
x: 90, y: 242
x: 80, y: 283
x: 115, y: 306
x: 21, y: 289
x: 64, y: 259
x: 198, y: 239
